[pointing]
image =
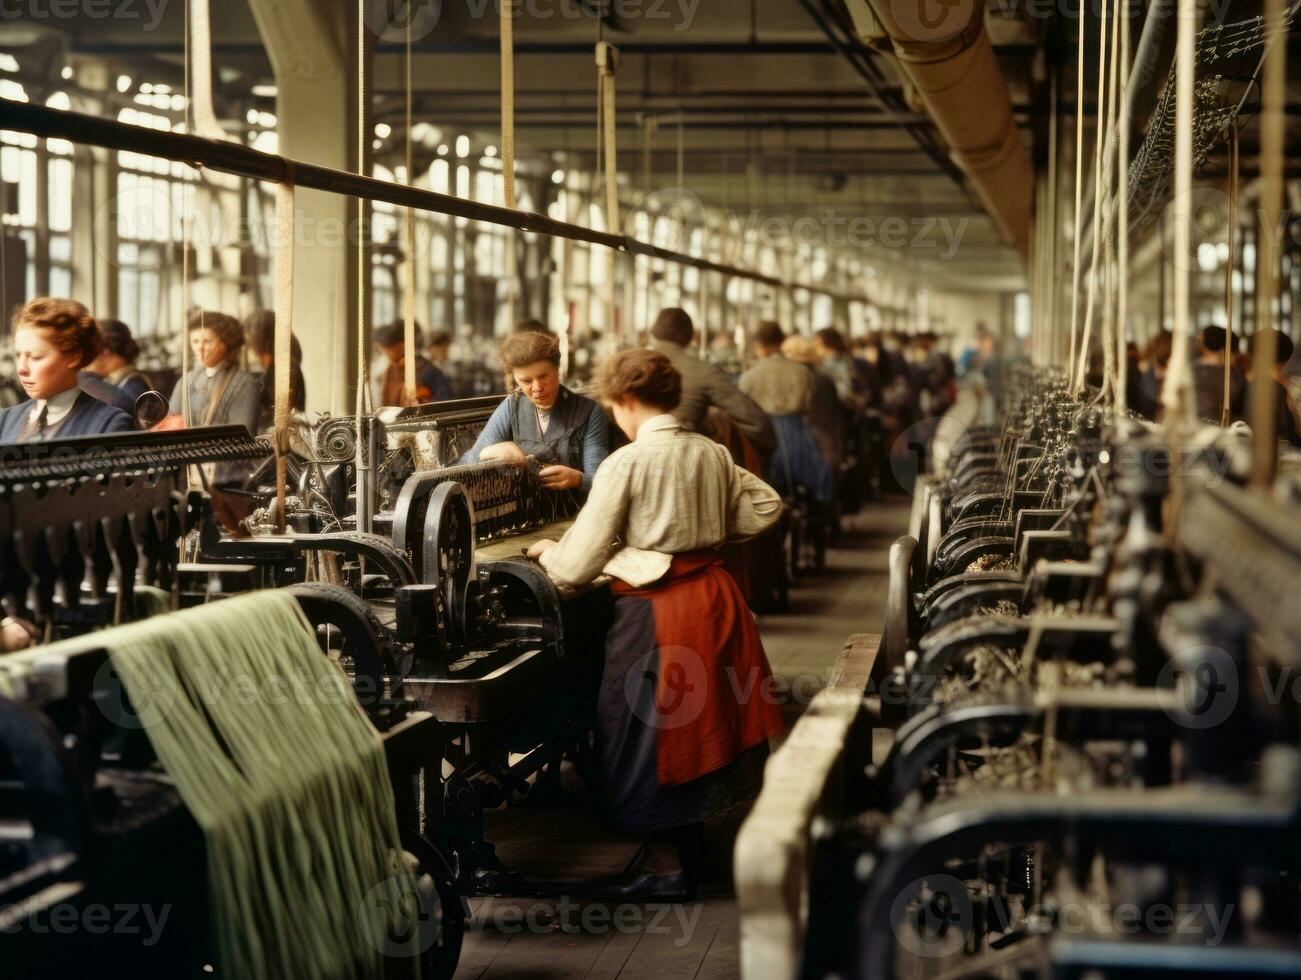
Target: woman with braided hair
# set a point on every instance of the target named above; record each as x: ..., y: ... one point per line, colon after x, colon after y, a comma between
x: 53, y: 340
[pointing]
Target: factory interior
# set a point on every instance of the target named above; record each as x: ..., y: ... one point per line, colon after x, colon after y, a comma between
x: 764, y: 489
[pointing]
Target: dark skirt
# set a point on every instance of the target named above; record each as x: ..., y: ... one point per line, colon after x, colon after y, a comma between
x: 798, y: 462
x: 631, y: 715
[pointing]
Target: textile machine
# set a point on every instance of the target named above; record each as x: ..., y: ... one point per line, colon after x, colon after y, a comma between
x: 93, y: 822
x: 85, y: 521
x: 1061, y: 757
x: 468, y: 626
x: 321, y: 463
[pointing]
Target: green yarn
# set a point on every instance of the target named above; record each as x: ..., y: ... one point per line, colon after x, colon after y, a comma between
x: 151, y: 601
x: 281, y: 769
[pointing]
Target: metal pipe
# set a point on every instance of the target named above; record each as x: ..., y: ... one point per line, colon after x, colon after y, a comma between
x: 958, y: 78
x: 231, y: 49
x: 859, y: 61
x: 243, y: 161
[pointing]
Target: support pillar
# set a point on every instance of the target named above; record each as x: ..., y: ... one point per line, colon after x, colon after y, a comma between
x: 94, y: 232
x: 311, y: 45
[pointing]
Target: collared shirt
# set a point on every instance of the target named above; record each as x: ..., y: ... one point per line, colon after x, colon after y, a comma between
x: 779, y: 386
x: 75, y: 413
x: 56, y: 407
x: 669, y: 491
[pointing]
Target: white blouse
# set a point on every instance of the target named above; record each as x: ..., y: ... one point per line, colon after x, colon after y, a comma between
x: 56, y: 407
x: 667, y: 492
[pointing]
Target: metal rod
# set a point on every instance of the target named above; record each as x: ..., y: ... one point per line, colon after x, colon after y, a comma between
x: 363, y: 461
x: 1232, y: 233
x: 1076, y: 230
x: 1054, y: 89
x: 1273, y: 135
x: 1177, y: 394
x: 1123, y: 126
x: 243, y: 161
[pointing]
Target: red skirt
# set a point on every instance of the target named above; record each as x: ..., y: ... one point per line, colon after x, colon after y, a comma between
x: 713, y: 690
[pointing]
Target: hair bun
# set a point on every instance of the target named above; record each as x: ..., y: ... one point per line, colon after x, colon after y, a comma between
x: 646, y: 375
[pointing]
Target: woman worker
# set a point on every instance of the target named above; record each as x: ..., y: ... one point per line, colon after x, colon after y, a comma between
x: 53, y: 340
x: 260, y: 335
x: 565, y: 432
x: 113, y: 376
x: 682, y: 722
x: 221, y: 393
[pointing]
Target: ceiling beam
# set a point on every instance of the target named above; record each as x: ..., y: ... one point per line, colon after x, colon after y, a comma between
x: 491, y: 47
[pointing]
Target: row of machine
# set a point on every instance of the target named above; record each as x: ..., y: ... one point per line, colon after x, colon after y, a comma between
x: 1071, y: 749
x: 473, y: 670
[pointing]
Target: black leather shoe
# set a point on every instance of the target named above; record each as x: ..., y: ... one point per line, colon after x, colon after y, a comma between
x: 678, y: 886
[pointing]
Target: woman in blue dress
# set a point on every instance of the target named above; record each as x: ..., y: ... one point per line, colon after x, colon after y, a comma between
x: 565, y: 432
x: 53, y: 340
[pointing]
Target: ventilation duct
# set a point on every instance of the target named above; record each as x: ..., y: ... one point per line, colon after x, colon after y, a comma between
x: 944, y: 51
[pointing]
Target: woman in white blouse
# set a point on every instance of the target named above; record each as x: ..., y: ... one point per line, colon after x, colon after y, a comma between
x: 685, y: 708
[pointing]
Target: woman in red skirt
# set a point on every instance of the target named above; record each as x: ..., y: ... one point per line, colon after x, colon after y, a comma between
x: 686, y: 705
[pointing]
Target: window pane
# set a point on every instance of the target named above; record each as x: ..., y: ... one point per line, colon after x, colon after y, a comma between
x: 60, y: 173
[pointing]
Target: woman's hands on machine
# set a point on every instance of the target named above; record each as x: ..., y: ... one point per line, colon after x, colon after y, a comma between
x: 560, y: 477
x: 538, y: 548
x: 552, y: 477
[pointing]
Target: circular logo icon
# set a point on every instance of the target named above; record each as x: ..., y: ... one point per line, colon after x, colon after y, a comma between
x: 929, y: 21
x: 150, y: 219
x: 401, y: 917
x: 916, y: 445
x: 141, y: 213
x: 674, y: 214
x: 932, y: 916
x: 667, y: 689
x: 1198, y: 688
x: 1206, y: 209
x: 393, y: 21
x: 146, y: 703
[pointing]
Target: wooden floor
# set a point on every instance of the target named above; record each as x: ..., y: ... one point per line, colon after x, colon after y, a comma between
x: 561, y: 937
